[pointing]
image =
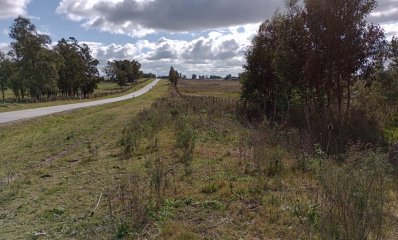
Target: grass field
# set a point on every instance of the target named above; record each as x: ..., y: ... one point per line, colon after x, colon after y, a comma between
x: 215, y: 88
x: 52, y: 184
x: 69, y: 177
x: 107, y: 87
x: 104, y: 87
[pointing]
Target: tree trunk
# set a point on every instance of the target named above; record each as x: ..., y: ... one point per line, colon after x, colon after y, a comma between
x: 349, y: 97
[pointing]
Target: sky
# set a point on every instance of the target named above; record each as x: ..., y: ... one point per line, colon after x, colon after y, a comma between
x: 203, y: 37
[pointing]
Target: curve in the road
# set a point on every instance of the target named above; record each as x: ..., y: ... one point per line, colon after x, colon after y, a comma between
x: 38, y: 112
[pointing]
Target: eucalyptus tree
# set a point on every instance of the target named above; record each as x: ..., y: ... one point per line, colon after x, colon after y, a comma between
x: 72, y: 71
x: 35, y: 62
x: 79, y: 72
x: 123, y: 72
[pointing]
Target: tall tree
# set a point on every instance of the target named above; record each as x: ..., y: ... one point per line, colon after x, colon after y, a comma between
x: 344, y: 43
x: 91, y: 73
x: 73, y: 70
x: 262, y: 82
x: 316, y: 52
x: 30, y: 50
x: 79, y: 72
x: 5, y: 74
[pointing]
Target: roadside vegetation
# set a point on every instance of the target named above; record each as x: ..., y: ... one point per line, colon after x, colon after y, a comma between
x: 306, y: 149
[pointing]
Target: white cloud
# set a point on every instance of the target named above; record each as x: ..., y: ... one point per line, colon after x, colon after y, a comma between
x: 386, y: 12
x: 221, y: 52
x: 13, y: 8
x: 5, y: 47
x: 142, y: 17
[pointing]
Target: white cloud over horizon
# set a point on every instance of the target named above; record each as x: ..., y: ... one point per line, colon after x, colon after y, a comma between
x: 220, y: 52
x: 203, y: 36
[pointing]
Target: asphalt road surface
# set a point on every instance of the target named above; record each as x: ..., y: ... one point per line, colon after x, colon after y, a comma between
x: 38, y: 112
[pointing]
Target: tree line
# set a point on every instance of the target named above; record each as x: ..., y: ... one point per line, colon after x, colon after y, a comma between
x: 313, y: 57
x: 33, y: 69
x: 36, y: 69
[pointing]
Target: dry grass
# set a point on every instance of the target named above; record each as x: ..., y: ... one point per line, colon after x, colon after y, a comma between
x: 215, y: 88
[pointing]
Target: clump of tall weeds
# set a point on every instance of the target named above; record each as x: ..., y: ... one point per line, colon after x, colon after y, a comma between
x: 352, y: 196
x: 130, y: 207
x: 185, y: 143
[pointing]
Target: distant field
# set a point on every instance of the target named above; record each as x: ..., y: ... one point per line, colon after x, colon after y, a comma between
x: 215, y: 88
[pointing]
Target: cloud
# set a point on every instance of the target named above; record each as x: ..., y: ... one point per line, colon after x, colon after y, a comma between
x: 386, y: 12
x: 141, y: 17
x: 13, y: 8
x: 218, y: 52
x: 5, y: 47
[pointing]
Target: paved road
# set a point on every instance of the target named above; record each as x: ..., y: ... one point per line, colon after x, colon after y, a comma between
x: 38, y: 112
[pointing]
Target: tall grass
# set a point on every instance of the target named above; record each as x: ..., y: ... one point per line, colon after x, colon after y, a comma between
x: 352, y: 197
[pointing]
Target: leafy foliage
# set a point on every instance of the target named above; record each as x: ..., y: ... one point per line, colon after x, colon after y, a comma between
x: 123, y: 72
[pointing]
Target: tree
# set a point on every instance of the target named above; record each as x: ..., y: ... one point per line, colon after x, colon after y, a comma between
x: 194, y: 76
x: 3, y: 74
x: 173, y: 76
x: 91, y: 73
x: 309, y: 58
x: 344, y: 44
x: 262, y: 81
x: 313, y: 53
x: 389, y: 78
x: 79, y: 71
x: 123, y: 72
x: 73, y: 70
x: 36, y: 69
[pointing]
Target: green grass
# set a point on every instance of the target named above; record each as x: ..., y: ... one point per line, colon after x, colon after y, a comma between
x: 105, y: 87
x: 54, y: 181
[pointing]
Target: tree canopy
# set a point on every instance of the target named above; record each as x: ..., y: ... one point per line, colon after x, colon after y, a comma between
x: 123, y: 72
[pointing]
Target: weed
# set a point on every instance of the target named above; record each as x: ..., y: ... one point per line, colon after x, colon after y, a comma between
x: 186, y: 143
x: 93, y: 151
x: 352, y: 197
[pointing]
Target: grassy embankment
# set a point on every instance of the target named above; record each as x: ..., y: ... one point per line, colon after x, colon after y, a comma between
x: 102, y: 88
x: 48, y: 182
x: 188, y: 169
